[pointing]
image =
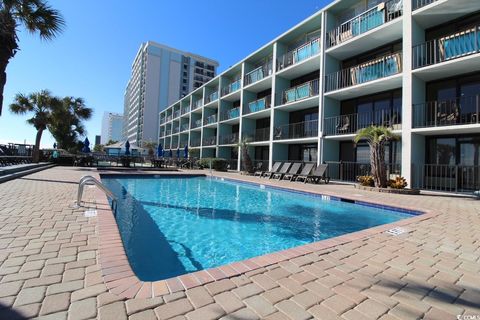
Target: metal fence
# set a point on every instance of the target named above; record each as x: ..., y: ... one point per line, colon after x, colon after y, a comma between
x: 447, y: 178
x: 195, y: 142
x: 232, y: 87
x: 297, y: 130
x: 347, y: 171
x: 197, y: 104
x: 351, y: 123
x: 369, y: 71
x: 258, y: 105
x: 462, y: 110
x: 299, y: 54
x: 209, y: 141
x: 185, y: 109
x: 211, y: 97
x: 229, y: 138
x: 230, y: 114
x: 210, y: 119
x: 258, y: 73
x: 366, y: 21
x: 454, y: 46
x: 417, y: 4
x: 262, y: 134
x: 300, y: 92
x: 196, y: 123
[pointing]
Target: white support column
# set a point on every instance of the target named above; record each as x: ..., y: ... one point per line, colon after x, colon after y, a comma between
x: 272, y: 106
x: 321, y: 85
x: 407, y: 96
x: 240, y: 125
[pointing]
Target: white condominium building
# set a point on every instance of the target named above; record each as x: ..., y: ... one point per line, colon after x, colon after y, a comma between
x: 160, y: 76
x: 112, y: 126
x: 411, y: 65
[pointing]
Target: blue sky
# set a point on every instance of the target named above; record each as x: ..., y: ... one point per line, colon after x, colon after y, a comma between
x: 93, y: 56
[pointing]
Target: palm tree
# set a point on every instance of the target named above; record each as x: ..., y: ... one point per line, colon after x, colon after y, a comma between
x: 36, y: 16
x: 246, y: 160
x: 377, y: 137
x: 150, y: 146
x: 66, y: 125
x: 42, y: 104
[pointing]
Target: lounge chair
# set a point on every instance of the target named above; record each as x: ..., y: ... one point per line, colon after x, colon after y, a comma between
x: 305, y: 172
x: 292, y: 173
x: 283, y: 170
x: 258, y: 170
x: 275, y: 168
x: 319, y: 174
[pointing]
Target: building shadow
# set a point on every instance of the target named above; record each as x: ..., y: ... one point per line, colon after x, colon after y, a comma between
x: 7, y: 313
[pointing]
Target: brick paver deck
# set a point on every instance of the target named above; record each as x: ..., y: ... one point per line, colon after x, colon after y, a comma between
x: 49, y: 265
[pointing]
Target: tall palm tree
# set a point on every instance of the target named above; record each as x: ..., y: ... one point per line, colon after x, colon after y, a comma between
x: 377, y: 137
x: 66, y: 125
x: 42, y: 104
x: 36, y: 16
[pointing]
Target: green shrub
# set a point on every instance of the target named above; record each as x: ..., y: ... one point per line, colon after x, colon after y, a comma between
x: 218, y: 164
x: 398, y: 183
x: 366, y: 181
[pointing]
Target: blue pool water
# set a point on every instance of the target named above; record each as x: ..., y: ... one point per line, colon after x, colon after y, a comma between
x: 171, y: 226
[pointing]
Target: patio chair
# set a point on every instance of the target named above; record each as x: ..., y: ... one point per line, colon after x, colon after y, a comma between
x: 449, y: 117
x: 283, y: 170
x: 305, y: 172
x: 258, y: 170
x: 275, y: 169
x: 344, y: 125
x: 319, y: 174
x: 292, y: 173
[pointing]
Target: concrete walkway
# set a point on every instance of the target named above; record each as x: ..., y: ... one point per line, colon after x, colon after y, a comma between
x: 49, y: 265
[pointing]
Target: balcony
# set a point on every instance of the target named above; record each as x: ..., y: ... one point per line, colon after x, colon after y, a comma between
x: 259, y: 135
x: 349, y: 171
x: 258, y: 73
x: 162, y: 120
x: 299, y: 130
x: 195, y: 142
x: 209, y: 141
x: 185, y: 110
x: 364, y: 22
x: 184, y: 127
x: 232, y: 87
x: 455, y: 46
x: 168, y: 132
x: 301, y: 92
x: 211, y: 97
x: 176, y: 130
x: 230, y: 114
x: 379, y: 68
x: 417, y: 4
x: 210, y: 120
x: 229, y: 139
x: 447, y: 178
x: 351, y: 123
x: 459, y: 111
x: 258, y: 105
x: 169, y: 118
x: 299, y: 54
x: 196, y: 124
x: 176, y: 114
x: 197, y: 104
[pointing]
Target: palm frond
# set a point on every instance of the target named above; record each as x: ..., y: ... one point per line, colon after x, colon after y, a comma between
x: 38, y: 16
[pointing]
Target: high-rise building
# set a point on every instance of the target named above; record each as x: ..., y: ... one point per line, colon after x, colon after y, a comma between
x: 98, y: 139
x: 112, y: 126
x: 160, y: 76
x: 410, y: 65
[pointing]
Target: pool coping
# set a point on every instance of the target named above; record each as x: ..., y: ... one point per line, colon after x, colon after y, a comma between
x: 122, y: 281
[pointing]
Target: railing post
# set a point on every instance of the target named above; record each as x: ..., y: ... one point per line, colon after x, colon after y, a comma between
x: 478, y: 111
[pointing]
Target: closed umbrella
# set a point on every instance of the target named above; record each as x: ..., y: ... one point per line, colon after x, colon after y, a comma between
x: 160, y: 151
x: 86, y: 146
x: 178, y: 153
x: 185, y: 152
x: 171, y: 153
x: 127, y: 148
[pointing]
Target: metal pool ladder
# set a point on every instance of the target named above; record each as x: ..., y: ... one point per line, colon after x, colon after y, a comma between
x: 89, y: 180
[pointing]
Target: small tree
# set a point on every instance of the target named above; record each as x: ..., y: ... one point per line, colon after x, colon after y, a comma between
x: 150, y: 145
x: 98, y: 148
x: 42, y: 104
x: 110, y: 142
x: 246, y: 160
x: 377, y: 137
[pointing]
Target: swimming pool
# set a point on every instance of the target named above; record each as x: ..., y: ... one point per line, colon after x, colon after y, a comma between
x: 176, y: 225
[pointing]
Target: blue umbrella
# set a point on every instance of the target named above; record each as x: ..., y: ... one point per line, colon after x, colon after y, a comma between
x: 54, y: 145
x: 185, y: 152
x: 171, y: 154
x: 178, y: 153
x: 160, y: 150
x: 127, y: 148
x: 86, y: 144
